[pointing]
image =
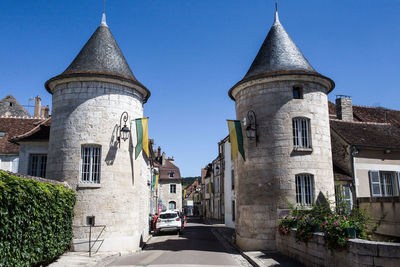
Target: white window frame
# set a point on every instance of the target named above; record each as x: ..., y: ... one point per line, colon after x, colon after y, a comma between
x: 92, y: 162
x: 172, y: 186
x: 376, y: 178
x: 304, y: 183
x: 301, y: 132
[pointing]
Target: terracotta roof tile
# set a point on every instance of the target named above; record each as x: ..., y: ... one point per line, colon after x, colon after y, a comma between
x: 13, y: 127
x: 382, y: 135
x: 40, y: 132
x: 166, y: 169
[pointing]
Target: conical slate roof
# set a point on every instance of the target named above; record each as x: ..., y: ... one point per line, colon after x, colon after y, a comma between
x: 278, y: 53
x: 280, y: 56
x: 100, y: 56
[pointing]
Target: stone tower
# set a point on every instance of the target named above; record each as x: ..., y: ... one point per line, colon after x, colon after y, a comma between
x: 291, y: 158
x: 89, y: 98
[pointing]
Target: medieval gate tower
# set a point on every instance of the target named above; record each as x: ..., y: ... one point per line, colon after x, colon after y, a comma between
x: 85, y: 150
x: 290, y: 160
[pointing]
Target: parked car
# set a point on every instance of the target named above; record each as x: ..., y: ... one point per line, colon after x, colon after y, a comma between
x: 182, y: 216
x: 168, y: 221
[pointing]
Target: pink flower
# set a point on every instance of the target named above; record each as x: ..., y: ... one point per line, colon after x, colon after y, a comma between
x: 344, y: 217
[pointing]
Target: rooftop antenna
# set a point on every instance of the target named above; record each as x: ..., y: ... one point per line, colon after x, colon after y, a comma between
x: 103, y: 19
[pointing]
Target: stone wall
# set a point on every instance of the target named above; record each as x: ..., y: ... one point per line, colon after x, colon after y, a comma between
x: 86, y: 113
x: 165, y: 194
x: 359, y: 253
x: 265, y: 182
x: 387, y: 208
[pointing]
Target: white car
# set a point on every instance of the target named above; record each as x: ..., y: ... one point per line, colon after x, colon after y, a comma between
x: 168, y: 221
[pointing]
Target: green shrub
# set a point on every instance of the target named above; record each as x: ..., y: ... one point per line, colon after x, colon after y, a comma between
x: 35, y: 221
x: 286, y: 224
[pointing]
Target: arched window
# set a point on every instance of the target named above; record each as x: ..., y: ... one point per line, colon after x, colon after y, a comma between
x: 301, y: 133
x: 304, y: 189
x: 172, y: 205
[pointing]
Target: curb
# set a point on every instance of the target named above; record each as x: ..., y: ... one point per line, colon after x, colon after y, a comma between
x: 249, y: 259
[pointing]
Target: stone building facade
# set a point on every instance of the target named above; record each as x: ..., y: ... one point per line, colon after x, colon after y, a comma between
x: 290, y: 160
x: 85, y: 148
x: 169, y: 183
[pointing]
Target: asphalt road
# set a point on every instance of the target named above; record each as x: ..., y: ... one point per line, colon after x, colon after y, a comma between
x: 195, y: 246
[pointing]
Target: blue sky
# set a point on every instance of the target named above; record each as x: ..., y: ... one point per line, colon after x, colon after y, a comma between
x: 189, y: 53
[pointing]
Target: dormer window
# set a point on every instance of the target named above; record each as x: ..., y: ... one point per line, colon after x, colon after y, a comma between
x: 171, y: 174
x: 297, y: 92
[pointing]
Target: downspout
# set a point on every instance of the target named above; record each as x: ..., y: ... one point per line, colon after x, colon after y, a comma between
x: 354, y: 151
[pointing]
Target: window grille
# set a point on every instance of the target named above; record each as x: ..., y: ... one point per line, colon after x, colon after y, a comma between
x: 172, y: 188
x: 304, y: 189
x: 301, y: 133
x: 172, y: 205
x: 37, y: 165
x: 90, y: 158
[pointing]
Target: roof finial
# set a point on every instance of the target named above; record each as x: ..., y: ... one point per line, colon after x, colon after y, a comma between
x: 103, y: 19
x: 276, y: 12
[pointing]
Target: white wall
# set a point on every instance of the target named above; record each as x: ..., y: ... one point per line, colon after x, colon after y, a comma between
x: 9, y: 163
x: 229, y: 194
x: 27, y: 148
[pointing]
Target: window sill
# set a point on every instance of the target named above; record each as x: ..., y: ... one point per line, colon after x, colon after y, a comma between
x: 302, y: 149
x: 89, y: 186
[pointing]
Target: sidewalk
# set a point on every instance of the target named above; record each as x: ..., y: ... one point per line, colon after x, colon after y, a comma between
x: 256, y: 258
x: 74, y: 259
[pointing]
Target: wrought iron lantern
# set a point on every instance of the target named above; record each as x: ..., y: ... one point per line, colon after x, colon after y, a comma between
x: 124, y: 131
x: 251, y: 129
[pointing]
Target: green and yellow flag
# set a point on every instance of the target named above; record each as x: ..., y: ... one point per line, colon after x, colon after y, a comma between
x: 236, y: 138
x: 142, y: 132
x: 156, y: 181
x: 153, y: 184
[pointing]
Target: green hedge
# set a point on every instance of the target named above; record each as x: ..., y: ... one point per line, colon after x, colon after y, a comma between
x: 35, y: 221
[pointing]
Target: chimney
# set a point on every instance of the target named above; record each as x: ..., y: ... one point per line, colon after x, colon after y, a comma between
x: 38, y: 105
x: 344, y: 108
x: 159, y: 152
x: 171, y: 159
x: 46, y: 112
x: 163, y: 159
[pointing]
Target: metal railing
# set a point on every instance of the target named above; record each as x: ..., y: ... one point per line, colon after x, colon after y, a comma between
x: 90, y: 242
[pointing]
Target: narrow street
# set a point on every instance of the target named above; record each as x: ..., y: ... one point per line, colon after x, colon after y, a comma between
x: 195, y: 246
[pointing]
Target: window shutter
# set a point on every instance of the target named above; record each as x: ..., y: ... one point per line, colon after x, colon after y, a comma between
x: 375, y: 183
x: 398, y: 183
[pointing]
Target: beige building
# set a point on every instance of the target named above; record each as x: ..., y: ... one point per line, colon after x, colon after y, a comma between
x: 366, y: 157
x: 169, y: 183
